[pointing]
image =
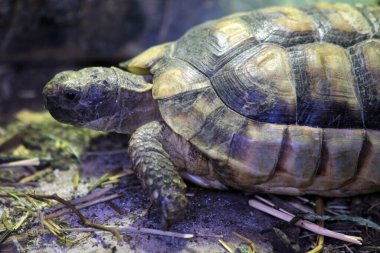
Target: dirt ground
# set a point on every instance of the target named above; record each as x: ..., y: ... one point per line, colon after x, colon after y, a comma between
x: 212, y: 215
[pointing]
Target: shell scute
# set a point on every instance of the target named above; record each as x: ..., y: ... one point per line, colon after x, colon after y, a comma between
x: 254, y: 153
x: 365, y: 58
x: 300, y: 157
x: 340, y: 155
x: 215, y: 136
x: 340, y: 23
x: 327, y: 93
x: 209, y: 46
x: 368, y: 177
x: 285, y: 26
x: 258, y: 84
x: 372, y: 14
x: 186, y: 113
x: 174, y: 76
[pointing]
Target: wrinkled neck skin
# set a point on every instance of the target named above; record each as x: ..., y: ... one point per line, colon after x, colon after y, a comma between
x: 134, y: 107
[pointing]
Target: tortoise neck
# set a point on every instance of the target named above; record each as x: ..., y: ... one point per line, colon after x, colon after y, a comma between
x: 135, y: 109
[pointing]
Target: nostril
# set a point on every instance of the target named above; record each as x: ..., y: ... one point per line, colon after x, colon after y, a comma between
x: 47, y: 90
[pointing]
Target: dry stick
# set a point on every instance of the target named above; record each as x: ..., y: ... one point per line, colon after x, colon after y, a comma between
x: 76, y: 178
x: 35, y: 176
x: 305, y: 200
x: 304, y: 223
x: 87, y: 204
x: 111, y: 178
x: 198, y: 234
x: 300, y: 207
x: 156, y: 232
x: 133, y: 230
x: 347, y: 248
x: 319, y: 208
x: 117, y: 208
x: 225, y: 245
x: 94, y: 195
x: 21, y: 163
x: 269, y: 203
x: 85, y: 221
x: 243, y: 238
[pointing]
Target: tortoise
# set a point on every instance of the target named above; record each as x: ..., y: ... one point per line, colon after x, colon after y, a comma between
x: 278, y: 100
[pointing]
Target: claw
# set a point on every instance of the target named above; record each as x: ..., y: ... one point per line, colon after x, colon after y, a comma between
x: 173, y: 208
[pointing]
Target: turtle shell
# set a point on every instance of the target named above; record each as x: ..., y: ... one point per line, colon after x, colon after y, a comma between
x: 286, y: 100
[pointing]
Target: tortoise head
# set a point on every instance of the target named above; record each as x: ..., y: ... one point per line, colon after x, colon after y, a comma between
x: 98, y: 98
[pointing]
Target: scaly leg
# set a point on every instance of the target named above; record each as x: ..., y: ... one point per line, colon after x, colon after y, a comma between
x: 156, y: 171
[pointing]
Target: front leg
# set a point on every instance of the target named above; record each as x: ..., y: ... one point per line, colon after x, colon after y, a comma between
x: 156, y: 171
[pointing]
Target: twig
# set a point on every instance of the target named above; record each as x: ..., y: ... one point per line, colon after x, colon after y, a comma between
x: 4, y: 236
x: 17, y: 185
x: 111, y: 177
x: 132, y: 230
x: 225, y: 245
x: 35, y: 176
x: 304, y: 223
x: 358, y: 220
x: 77, y: 212
x: 305, y: 200
x: 319, y: 247
x: 116, y: 208
x: 301, y: 207
x: 243, y: 238
x: 84, y: 205
x: 93, y: 195
x: 271, y: 204
x: 21, y: 163
x: 348, y: 249
x: 208, y: 235
x: 319, y: 208
x: 156, y: 232
x: 76, y: 178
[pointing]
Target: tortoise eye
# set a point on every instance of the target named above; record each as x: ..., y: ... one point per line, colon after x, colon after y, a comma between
x: 71, y: 95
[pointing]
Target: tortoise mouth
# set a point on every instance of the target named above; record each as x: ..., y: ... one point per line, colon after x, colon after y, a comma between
x: 61, y: 112
x: 58, y: 107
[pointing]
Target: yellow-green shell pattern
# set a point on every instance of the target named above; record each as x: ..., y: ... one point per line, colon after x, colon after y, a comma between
x: 285, y: 100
